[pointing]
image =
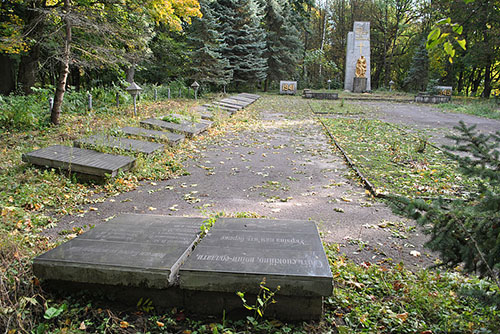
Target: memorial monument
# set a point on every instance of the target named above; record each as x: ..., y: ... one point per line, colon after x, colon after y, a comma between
x: 357, y: 64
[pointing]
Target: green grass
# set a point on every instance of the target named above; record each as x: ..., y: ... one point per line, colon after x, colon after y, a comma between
x: 339, y: 107
x: 367, y: 298
x: 484, y: 108
x: 397, y: 162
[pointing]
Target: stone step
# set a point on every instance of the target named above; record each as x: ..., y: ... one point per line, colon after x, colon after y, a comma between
x: 172, y: 138
x: 185, y: 127
x: 131, y: 145
x: 86, y: 162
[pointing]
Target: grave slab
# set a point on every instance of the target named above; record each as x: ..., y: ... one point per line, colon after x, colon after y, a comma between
x: 242, y: 99
x: 251, y: 96
x: 173, y: 138
x: 228, y: 104
x: 211, y: 106
x: 86, y: 162
x: 131, y: 145
x: 238, y: 253
x: 186, y: 127
x: 134, y: 250
x: 235, y: 102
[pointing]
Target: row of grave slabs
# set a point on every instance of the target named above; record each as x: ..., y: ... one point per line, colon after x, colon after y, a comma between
x: 92, y: 164
x: 170, y: 262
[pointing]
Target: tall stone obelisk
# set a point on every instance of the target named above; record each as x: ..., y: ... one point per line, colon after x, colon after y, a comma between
x: 358, y: 44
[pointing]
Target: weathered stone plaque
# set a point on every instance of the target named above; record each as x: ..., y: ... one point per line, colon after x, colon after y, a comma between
x: 227, y: 104
x: 239, y: 103
x: 358, y: 45
x: 86, y: 162
x: 130, y: 250
x: 243, y: 99
x: 288, y: 87
x: 171, y: 137
x: 184, y: 126
x: 125, y: 144
x: 238, y: 254
x: 250, y: 96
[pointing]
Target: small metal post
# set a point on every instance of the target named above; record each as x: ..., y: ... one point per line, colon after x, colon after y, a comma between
x: 329, y: 84
x: 180, y: 92
x: 168, y: 93
x: 224, y: 89
x: 117, y: 99
x: 156, y: 94
x: 89, y: 96
x: 196, y: 94
x: 51, y: 104
x: 135, y: 107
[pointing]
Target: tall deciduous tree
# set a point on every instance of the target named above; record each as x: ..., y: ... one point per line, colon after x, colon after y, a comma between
x: 244, y: 40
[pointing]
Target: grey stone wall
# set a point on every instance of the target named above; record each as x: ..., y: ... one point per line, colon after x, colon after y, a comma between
x: 358, y: 44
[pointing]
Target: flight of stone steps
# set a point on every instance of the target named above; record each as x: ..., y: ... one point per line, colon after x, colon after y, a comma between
x: 173, y: 128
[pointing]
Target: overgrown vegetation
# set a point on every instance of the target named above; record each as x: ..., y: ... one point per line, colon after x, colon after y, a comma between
x: 467, y: 231
x: 380, y: 298
x: 397, y: 161
x: 483, y: 108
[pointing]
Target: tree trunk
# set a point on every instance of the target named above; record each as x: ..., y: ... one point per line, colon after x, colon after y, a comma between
x: 487, y: 80
x: 460, y: 85
x: 64, y: 69
x: 28, y: 69
x: 130, y: 74
x: 8, y: 82
x: 476, y: 82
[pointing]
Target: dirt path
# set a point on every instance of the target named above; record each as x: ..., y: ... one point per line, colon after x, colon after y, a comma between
x: 281, y: 166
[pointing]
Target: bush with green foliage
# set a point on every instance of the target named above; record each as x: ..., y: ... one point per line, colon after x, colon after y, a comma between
x: 466, y: 231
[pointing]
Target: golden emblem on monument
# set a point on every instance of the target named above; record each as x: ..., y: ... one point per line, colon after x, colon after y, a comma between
x: 361, y: 67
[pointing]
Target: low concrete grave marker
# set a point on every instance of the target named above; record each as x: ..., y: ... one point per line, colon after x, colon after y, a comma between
x: 86, y: 162
x: 130, y: 250
x: 238, y: 254
x: 125, y: 144
x: 181, y: 125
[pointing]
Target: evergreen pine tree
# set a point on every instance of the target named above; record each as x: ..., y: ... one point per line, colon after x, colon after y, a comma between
x: 466, y: 231
x: 283, y: 43
x: 208, y: 66
x: 418, y: 74
x: 244, y: 40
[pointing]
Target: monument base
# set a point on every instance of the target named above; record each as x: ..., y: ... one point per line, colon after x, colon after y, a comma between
x: 359, y: 85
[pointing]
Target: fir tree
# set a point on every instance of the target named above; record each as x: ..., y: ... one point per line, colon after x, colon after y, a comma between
x: 283, y: 43
x: 244, y: 40
x: 209, y: 67
x: 418, y: 74
x: 466, y: 231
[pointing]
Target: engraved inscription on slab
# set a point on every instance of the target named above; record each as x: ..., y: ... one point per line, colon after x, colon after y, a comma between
x: 238, y: 253
x: 130, y: 250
